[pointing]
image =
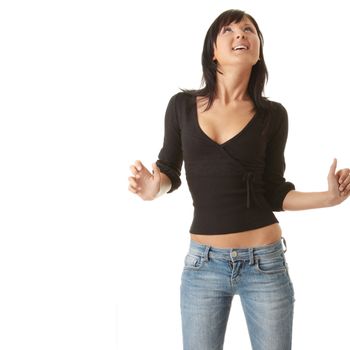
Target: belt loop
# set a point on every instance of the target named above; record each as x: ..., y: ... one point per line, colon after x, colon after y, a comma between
x: 205, y: 254
x: 251, y: 256
x: 285, y: 244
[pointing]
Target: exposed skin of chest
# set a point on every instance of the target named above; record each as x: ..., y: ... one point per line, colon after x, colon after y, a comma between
x: 223, y: 123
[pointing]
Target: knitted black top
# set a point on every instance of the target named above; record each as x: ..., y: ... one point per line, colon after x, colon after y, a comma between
x: 236, y: 185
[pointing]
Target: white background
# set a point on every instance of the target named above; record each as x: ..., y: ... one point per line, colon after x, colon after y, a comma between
x: 86, y: 264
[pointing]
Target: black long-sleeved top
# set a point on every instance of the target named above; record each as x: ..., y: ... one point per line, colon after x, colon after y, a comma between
x: 235, y: 186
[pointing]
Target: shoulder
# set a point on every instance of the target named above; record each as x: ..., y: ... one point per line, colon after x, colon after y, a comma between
x: 276, y: 107
x: 176, y: 104
x: 183, y: 103
x: 182, y: 98
x: 275, y: 118
x: 278, y: 113
x: 178, y: 100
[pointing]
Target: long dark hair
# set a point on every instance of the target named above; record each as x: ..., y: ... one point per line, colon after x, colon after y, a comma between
x: 259, y: 74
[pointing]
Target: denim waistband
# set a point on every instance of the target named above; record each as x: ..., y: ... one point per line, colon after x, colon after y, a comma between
x: 207, y: 251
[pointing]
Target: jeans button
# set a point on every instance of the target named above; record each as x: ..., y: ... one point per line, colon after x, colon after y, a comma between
x: 234, y: 253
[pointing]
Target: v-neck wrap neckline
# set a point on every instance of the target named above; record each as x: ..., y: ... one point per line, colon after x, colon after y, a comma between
x: 232, y: 138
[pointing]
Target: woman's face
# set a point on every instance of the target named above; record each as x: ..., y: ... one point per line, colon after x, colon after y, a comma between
x: 232, y: 35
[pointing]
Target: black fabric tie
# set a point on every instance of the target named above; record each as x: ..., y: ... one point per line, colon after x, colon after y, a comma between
x: 248, y: 178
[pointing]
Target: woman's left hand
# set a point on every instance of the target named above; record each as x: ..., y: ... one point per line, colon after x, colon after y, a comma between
x: 338, y: 183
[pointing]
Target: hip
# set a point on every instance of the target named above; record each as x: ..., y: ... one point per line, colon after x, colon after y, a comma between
x: 246, y: 239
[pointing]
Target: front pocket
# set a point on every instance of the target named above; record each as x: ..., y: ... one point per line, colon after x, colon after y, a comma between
x: 193, y: 261
x: 271, y: 265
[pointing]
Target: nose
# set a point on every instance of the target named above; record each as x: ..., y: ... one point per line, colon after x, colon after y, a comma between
x: 238, y: 35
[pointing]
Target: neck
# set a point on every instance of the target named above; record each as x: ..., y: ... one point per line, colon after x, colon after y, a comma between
x: 232, y: 86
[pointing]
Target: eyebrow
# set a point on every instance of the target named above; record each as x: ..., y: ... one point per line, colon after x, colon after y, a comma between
x: 246, y: 23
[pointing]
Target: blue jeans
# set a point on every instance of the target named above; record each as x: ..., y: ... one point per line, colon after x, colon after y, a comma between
x: 210, y: 278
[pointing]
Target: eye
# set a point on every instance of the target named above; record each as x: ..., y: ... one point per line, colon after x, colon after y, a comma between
x: 226, y: 28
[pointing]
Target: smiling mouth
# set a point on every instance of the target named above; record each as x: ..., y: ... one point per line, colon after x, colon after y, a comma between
x: 240, y: 47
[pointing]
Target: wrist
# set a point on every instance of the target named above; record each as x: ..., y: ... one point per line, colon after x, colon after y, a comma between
x: 332, y: 199
x: 164, y: 185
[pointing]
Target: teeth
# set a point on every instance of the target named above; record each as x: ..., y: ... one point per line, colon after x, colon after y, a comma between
x: 240, y: 47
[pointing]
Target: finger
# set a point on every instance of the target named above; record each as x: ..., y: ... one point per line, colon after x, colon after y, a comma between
x: 341, y: 179
x: 333, y: 167
x: 344, y: 193
x: 347, y: 188
x: 133, y: 170
x: 345, y: 184
x: 344, y: 175
x: 131, y: 189
x: 132, y: 181
x: 139, y: 165
x: 135, y: 187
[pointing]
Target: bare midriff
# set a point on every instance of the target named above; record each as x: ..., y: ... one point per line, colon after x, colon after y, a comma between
x: 245, y: 239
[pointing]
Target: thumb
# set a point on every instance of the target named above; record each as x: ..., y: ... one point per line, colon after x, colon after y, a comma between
x: 333, y: 167
x: 155, y: 170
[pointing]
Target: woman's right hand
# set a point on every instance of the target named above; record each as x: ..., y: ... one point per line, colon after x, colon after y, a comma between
x: 143, y: 183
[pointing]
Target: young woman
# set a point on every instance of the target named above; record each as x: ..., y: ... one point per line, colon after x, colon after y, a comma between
x: 232, y: 140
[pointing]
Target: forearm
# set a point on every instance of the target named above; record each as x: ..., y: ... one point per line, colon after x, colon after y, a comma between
x: 165, y: 185
x: 296, y: 200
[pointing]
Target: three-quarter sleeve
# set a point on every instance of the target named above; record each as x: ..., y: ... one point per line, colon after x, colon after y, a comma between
x: 276, y: 186
x: 170, y: 157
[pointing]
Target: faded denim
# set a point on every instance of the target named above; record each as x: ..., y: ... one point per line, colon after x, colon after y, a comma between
x: 210, y: 278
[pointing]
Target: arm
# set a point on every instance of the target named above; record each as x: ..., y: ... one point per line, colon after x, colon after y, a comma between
x: 170, y: 157
x: 282, y: 194
x: 338, y: 191
x: 167, y: 169
x: 296, y: 200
